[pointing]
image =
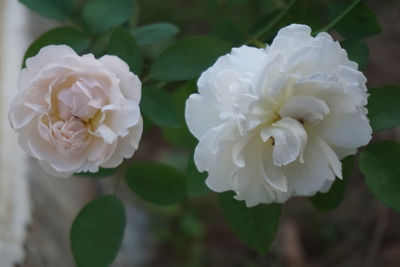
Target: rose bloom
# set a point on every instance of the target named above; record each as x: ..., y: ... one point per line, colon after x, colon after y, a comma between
x: 274, y: 123
x: 76, y: 113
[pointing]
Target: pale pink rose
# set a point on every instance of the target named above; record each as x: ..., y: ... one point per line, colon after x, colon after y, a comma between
x: 76, y: 113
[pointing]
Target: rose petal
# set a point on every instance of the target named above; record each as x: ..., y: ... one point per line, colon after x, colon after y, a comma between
x: 289, y: 137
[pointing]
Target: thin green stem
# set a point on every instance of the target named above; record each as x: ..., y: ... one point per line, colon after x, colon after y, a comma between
x: 338, y: 18
x: 119, y: 176
x: 278, y: 18
x: 145, y: 79
x: 161, y: 84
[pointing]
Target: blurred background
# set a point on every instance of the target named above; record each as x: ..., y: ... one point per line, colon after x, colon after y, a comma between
x: 361, y: 232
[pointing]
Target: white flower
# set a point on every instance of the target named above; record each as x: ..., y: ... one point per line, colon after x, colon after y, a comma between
x: 77, y: 113
x: 273, y: 123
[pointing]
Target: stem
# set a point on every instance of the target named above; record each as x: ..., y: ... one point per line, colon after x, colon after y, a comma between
x: 145, y: 79
x: 161, y: 84
x: 278, y: 18
x: 338, y: 18
x: 119, y: 176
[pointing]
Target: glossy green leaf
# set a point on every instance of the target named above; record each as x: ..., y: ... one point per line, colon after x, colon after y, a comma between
x: 357, y: 50
x: 101, y: 15
x: 180, y: 136
x: 103, y: 172
x: 159, y: 107
x: 123, y: 45
x: 54, y: 9
x: 379, y: 163
x: 188, y: 58
x: 329, y: 201
x: 383, y: 107
x: 157, y: 183
x: 196, y: 183
x: 97, y: 232
x: 77, y: 40
x: 360, y: 23
x: 153, y: 33
x: 255, y: 226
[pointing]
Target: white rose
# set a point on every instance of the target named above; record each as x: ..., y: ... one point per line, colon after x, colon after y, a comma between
x: 273, y: 123
x: 77, y: 113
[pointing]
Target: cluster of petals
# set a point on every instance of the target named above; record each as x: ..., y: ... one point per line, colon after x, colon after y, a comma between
x: 274, y: 123
x: 77, y: 113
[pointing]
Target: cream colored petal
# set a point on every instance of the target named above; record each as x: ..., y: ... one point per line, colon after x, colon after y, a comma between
x: 126, y: 146
x: 129, y: 83
x: 119, y: 118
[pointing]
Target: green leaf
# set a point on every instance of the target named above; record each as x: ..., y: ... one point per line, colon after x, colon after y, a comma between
x: 54, y: 9
x: 357, y: 50
x: 180, y: 136
x: 157, y: 183
x: 65, y: 35
x: 153, y: 33
x: 383, y: 107
x: 329, y: 201
x: 97, y: 232
x: 159, y: 107
x: 101, y: 15
x: 188, y: 58
x: 103, y: 172
x: 360, y: 23
x: 196, y: 185
x: 123, y: 45
x: 379, y: 163
x: 255, y: 226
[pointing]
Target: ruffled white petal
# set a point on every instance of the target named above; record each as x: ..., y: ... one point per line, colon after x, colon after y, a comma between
x: 349, y: 130
x: 200, y: 115
x: 289, y: 141
x: 309, y: 177
x: 305, y: 108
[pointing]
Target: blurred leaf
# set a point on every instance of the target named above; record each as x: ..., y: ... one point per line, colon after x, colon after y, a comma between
x: 188, y: 58
x: 159, y: 107
x: 103, y: 172
x: 255, y: 226
x: 329, y: 201
x: 147, y: 124
x: 97, y: 232
x: 154, y: 33
x: 383, y: 107
x: 65, y: 35
x: 196, y: 185
x: 157, y: 183
x: 101, y: 15
x: 357, y: 50
x: 360, y: 23
x: 123, y: 45
x: 180, y: 136
x: 379, y: 162
x: 54, y: 9
x: 226, y: 30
